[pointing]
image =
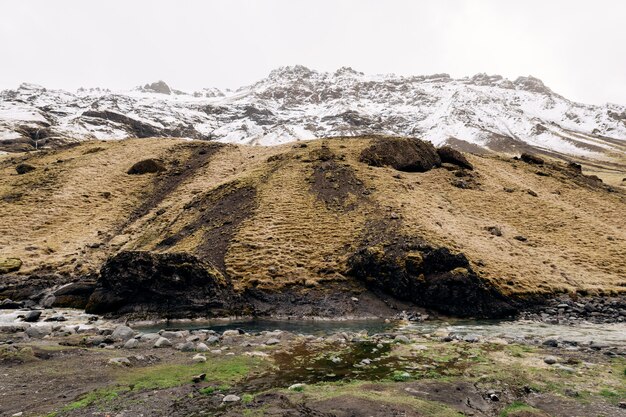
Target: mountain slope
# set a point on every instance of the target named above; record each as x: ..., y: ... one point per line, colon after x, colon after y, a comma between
x: 475, y: 114
x: 303, y: 219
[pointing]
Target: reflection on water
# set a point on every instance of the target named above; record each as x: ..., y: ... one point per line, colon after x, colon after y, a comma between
x: 314, y: 327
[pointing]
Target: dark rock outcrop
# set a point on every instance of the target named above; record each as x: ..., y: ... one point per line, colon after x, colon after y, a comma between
x: 403, y: 154
x: 452, y: 156
x: 22, y: 169
x: 531, y: 159
x: 135, y: 127
x: 158, y: 87
x: 430, y: 277
x: 74, y: 295
x: 147, y: 166
x: 167, y: 284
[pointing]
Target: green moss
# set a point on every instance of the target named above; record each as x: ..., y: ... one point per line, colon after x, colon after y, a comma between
x: 515, y: 407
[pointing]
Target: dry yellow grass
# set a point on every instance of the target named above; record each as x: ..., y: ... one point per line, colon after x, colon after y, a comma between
x: 54, y: 216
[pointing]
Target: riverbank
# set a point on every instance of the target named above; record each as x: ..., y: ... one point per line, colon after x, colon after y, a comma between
x: 428, y: 368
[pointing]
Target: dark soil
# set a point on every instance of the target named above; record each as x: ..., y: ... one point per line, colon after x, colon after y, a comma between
x: 334, y: 182
x: 220, y: 212
x: 177, y: 173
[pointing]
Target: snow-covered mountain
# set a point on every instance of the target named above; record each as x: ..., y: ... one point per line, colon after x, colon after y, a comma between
x: 295, y: 103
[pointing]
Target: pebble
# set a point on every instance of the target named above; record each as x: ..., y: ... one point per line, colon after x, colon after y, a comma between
x: 231, y: 398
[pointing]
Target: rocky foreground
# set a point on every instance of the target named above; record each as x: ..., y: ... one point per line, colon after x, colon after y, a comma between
x: 68, y: 363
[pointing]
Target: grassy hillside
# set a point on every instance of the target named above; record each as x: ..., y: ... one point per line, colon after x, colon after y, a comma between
x: 290, y: 216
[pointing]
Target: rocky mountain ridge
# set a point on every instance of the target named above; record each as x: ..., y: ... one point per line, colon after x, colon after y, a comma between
x: 479, y: 114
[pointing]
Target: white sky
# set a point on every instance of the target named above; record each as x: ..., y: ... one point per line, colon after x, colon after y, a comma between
x: 578, y: 48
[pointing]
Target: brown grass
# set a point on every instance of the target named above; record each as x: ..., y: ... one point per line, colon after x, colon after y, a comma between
x: 52, y: 217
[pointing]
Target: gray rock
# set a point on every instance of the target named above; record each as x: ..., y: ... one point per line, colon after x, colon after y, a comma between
x: 32, y: 316
x: 122, y: 333
x: 193, y: 338
x: 401, y: 339
x: 187, y: 347
x: 172, y: 335
x: 37, y: 332
x: 230, y: 333
x: 119, y: 361
x: 471, y: 338
x: 149, y: 337
x: 131, y: 344
x: 551, y: 343
x: 297, y: 387
x: 201, y: 347
x: 272, y: 341
x: 162, y: 342
x: 550, y: 360
x: 212, y: 340
x: 199, y: 358
x: 56, y: 317
x: 231, y: 399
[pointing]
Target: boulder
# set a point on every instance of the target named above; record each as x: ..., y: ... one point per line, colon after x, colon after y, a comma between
x: 74, y: 295
x: 131, y: 344
x: 162, y: 342
x: 10, y: 265
x: 147, y: 166
x: 38, y: 332
x: 452, y: 156
x: 201, y: 347
x: 122, y: 333
x: 22, y: 169
x: 177, y: 284
x: 403, y: 154
x: 531, y: 159
x: 32, y: 316
x: 119, y: 361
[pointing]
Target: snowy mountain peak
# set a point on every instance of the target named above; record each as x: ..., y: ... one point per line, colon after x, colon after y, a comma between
x: 479, y: 113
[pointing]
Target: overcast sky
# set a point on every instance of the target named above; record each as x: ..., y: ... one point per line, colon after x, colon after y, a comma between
x: 575, y: 47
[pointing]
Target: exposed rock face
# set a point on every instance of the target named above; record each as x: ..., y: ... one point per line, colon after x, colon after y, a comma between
x: 158, y: 87
x: 452, y: 156
x: 170, y: 283
x: 403, y: 154
x: 296, y: 103
x: 431, y: 277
